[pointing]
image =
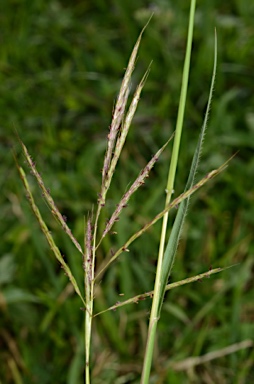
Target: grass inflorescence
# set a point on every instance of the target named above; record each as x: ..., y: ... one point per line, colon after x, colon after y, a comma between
x: 122, y: 118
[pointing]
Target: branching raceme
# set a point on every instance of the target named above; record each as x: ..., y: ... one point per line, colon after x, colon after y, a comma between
x: 118, y: 131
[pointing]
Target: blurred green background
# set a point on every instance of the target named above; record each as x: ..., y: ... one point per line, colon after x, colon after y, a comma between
x: 61, y: 64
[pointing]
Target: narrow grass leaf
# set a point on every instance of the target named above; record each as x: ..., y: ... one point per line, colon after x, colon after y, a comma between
x: 191, y: 362
x: 169, y: 254
x: 154, y: 315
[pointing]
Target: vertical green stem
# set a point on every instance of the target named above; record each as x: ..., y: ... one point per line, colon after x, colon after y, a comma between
x: 88, y: 328
x: 154, y: 317
x: 88, y: 324
x: 89, y: 287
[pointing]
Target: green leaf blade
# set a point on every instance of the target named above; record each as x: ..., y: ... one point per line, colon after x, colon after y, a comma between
x: 170, y: 251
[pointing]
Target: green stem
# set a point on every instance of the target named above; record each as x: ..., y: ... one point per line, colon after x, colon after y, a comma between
x: 89, y: 287
x: 154, y: 317
x: 88, y: 326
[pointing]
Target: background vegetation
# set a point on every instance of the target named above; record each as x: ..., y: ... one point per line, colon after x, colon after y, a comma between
x: 61, y: 64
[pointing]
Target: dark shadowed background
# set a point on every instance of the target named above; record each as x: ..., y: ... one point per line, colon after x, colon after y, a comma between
x: 61, y: 64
